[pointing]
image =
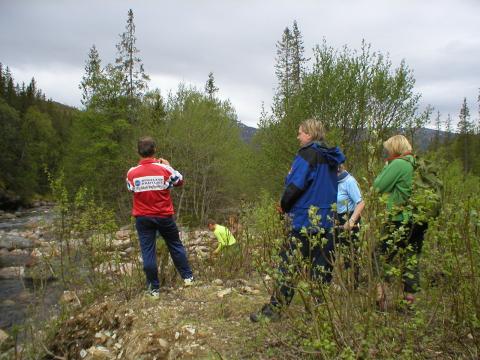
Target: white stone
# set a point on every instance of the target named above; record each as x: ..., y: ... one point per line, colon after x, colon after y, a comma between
x: 36, y: 253
x: 190, y: 329
x: 222, y: 293
x: 130, y: 250
x: 19, y: 252
x: 100, y: 352
x: 163, y: 343
x: 249, y: 290
x: 68, y: 296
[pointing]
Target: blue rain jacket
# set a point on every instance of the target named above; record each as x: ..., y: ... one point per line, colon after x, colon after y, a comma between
x: 312, y: 181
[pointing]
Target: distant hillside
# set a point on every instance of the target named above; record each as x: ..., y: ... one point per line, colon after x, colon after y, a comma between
x: 423, y: 137
x: 247, y: 132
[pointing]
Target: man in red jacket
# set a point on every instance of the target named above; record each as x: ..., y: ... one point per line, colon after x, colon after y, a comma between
x: 150, y: 181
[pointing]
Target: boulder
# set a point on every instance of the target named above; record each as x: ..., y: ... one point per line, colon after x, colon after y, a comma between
x: 36, y: 253
x: 218, y: 282
x: 121, y: 244
x: 111, y: 267
x: 19, y: 252
x: 13, y: 241
x: 248, y: 290
x: 202, y: 249
x: 12, y: 272
x: 130, y: 250
x: 3, y: 336
x: 123, y: 234
x: 68, y: 297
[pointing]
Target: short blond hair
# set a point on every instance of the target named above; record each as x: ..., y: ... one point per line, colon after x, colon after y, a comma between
x: 314, y: 128
x: 397, y: 145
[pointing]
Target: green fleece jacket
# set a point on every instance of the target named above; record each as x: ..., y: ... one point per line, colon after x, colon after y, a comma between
x: 396, y: 180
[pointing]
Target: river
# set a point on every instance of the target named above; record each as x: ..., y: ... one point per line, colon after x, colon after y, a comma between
x: 22, y: 298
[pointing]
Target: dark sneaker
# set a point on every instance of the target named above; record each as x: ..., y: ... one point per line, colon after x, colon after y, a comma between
x: 268, y: 312
x: 154, y: 293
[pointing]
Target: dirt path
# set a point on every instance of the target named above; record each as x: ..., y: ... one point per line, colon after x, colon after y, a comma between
x: 206, y: 321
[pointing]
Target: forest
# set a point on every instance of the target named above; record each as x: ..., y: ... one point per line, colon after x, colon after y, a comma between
x: 79, y: 158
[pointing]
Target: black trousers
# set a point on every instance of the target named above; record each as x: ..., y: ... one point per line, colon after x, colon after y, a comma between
x: 348, y: 239
x: 405, y: 241
x: 319, y: 257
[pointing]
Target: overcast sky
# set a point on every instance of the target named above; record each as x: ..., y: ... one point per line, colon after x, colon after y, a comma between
x: 182, y: 41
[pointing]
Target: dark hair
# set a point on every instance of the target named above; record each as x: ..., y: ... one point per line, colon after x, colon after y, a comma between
x: 146, y: 146
x: 211, y: 222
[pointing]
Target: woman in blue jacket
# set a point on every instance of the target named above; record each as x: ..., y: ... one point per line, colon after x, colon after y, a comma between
x: 310, y: 187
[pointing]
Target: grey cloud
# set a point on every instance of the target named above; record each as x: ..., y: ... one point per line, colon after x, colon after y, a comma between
x: 236, y: 40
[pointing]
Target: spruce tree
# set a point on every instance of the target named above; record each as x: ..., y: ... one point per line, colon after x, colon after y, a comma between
x: 283, y: 71
x: 30, y: 94
x: 438, y: 128
x: 210, y: 88
x: 464, y: 130
x: 289, y: 68
x: 477, y: 127
x: 10, y: 93
x: 2, y: 82
x: 298, y: 58
x: 134, y: 81
x: 448, y: 129
x: 93, y: 78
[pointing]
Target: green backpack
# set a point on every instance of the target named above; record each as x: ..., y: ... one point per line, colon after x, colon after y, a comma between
x: 427, y: 192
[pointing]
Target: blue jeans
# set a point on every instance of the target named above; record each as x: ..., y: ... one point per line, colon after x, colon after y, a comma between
x: 147, y: 227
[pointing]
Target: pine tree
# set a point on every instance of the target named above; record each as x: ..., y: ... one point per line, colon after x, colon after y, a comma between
x: 134, y: 82
x: 92, y: 80
x: 210, y: 88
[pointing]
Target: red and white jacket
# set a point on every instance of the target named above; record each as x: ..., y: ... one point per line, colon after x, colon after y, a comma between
x: 150, y: 182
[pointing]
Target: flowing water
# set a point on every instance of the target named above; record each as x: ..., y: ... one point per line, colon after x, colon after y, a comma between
x: 21, y: 297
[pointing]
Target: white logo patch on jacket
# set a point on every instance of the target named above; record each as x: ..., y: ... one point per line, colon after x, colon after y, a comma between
x: 149, y: 183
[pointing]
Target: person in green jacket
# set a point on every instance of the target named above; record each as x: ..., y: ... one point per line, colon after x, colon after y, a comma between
x: 404, y: 236
x: 224, y: 236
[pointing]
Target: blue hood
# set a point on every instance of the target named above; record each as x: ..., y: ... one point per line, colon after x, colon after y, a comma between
x: 333, y: 155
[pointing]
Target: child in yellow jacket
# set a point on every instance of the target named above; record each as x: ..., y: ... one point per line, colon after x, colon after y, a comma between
x: 224, y: 236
